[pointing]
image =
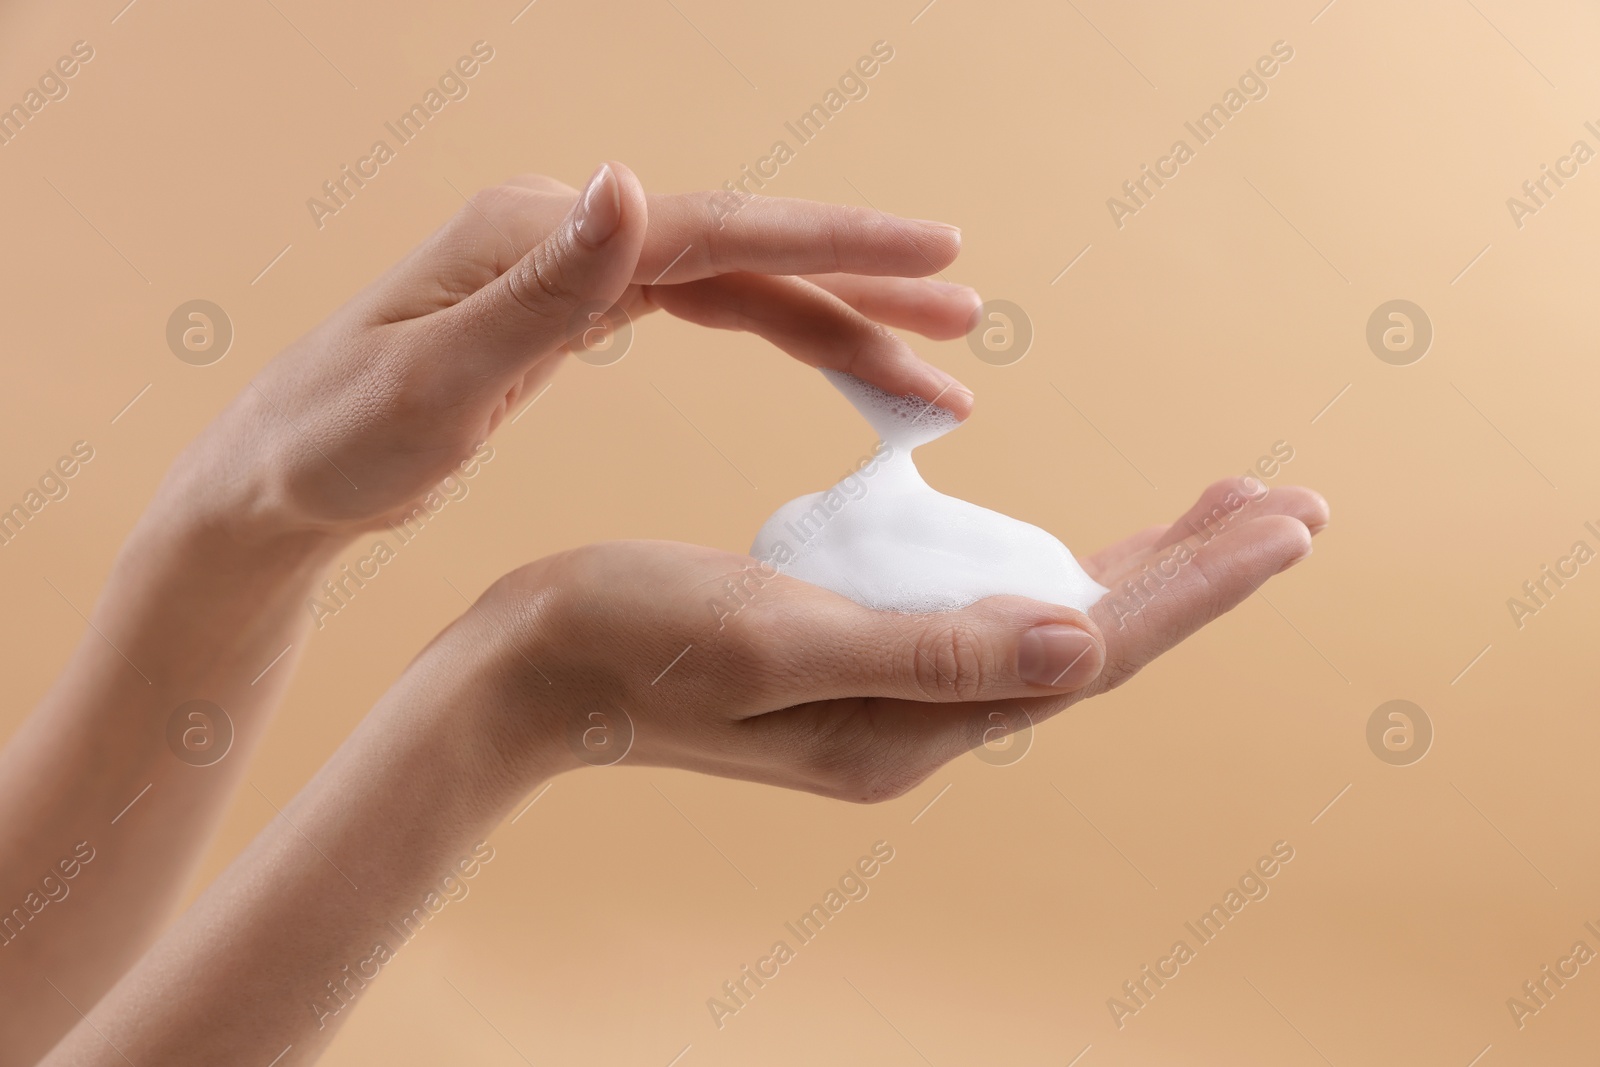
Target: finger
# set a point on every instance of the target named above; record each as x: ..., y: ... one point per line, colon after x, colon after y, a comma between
x: 1234, y: 500
x: 867, y: 750
x: 1229, y: 501
x: 586, y: 261
x: 940, y: 310
x: 1177, y: 592
x: 697, y: 235
x: 815, y: 327
x: 1111, y: 559
x: 817, y: 645
x: 871, y: 749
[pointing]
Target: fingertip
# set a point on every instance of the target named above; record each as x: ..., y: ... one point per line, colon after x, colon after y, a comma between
x: 1286, y: 540
x: 1317, y: 521
x: 1304, y: 504
x: 1302, y: 548
x: 965, y: 307
x: 937, y: 387
x: 957, y: 399
x: 938, y: 243
x: 635, y: 210
x: 952, y: 311
x: 974, y: 311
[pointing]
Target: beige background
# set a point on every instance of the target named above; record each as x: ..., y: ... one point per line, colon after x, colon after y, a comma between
x: 1223, y: 318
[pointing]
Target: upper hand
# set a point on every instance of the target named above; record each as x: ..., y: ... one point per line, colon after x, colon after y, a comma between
x: 359, y: 419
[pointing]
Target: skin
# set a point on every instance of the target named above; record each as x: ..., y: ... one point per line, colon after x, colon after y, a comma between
x: 346, y: 431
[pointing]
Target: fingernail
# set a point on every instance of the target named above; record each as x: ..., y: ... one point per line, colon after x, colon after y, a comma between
x: 1057, y: 657
x: 600, y: 208
x: 945, y: 226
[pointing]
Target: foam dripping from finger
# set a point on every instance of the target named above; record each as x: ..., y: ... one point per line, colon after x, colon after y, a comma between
x: 885, y: 538
x: 903, y: 422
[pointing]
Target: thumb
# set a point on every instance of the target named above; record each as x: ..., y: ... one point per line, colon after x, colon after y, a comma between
x: 999, y: 648
x: 582, y: 267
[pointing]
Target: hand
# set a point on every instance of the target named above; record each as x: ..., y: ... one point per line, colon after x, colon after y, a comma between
x: 798, y: 687
x: 646, y: 648
x: 355, y: 422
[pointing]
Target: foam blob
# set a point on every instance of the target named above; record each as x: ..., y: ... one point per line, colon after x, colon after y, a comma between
x: 885, y: 538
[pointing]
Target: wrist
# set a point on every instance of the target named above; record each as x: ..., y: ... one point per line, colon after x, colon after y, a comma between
x: 491, y: 678
x: 227, y: 518
x: 193, y: 576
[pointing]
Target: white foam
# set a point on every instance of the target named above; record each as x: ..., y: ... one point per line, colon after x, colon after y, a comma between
x: 885, y: 538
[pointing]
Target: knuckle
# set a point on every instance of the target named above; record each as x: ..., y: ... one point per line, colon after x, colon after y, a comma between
x: 868, y: 340
x: 718, y: 229
x: 709, y: 206
x: 951, y: 662
x: 835, y: 260
x: 536, y: 284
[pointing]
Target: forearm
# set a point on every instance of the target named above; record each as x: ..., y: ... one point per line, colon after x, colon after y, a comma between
x: 330, y: 892
x: 192, y: 610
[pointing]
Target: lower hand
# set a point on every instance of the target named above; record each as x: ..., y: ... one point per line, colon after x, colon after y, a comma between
x: 627, y: 651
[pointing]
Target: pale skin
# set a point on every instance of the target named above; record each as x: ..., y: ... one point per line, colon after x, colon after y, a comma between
x: 348, y: 429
